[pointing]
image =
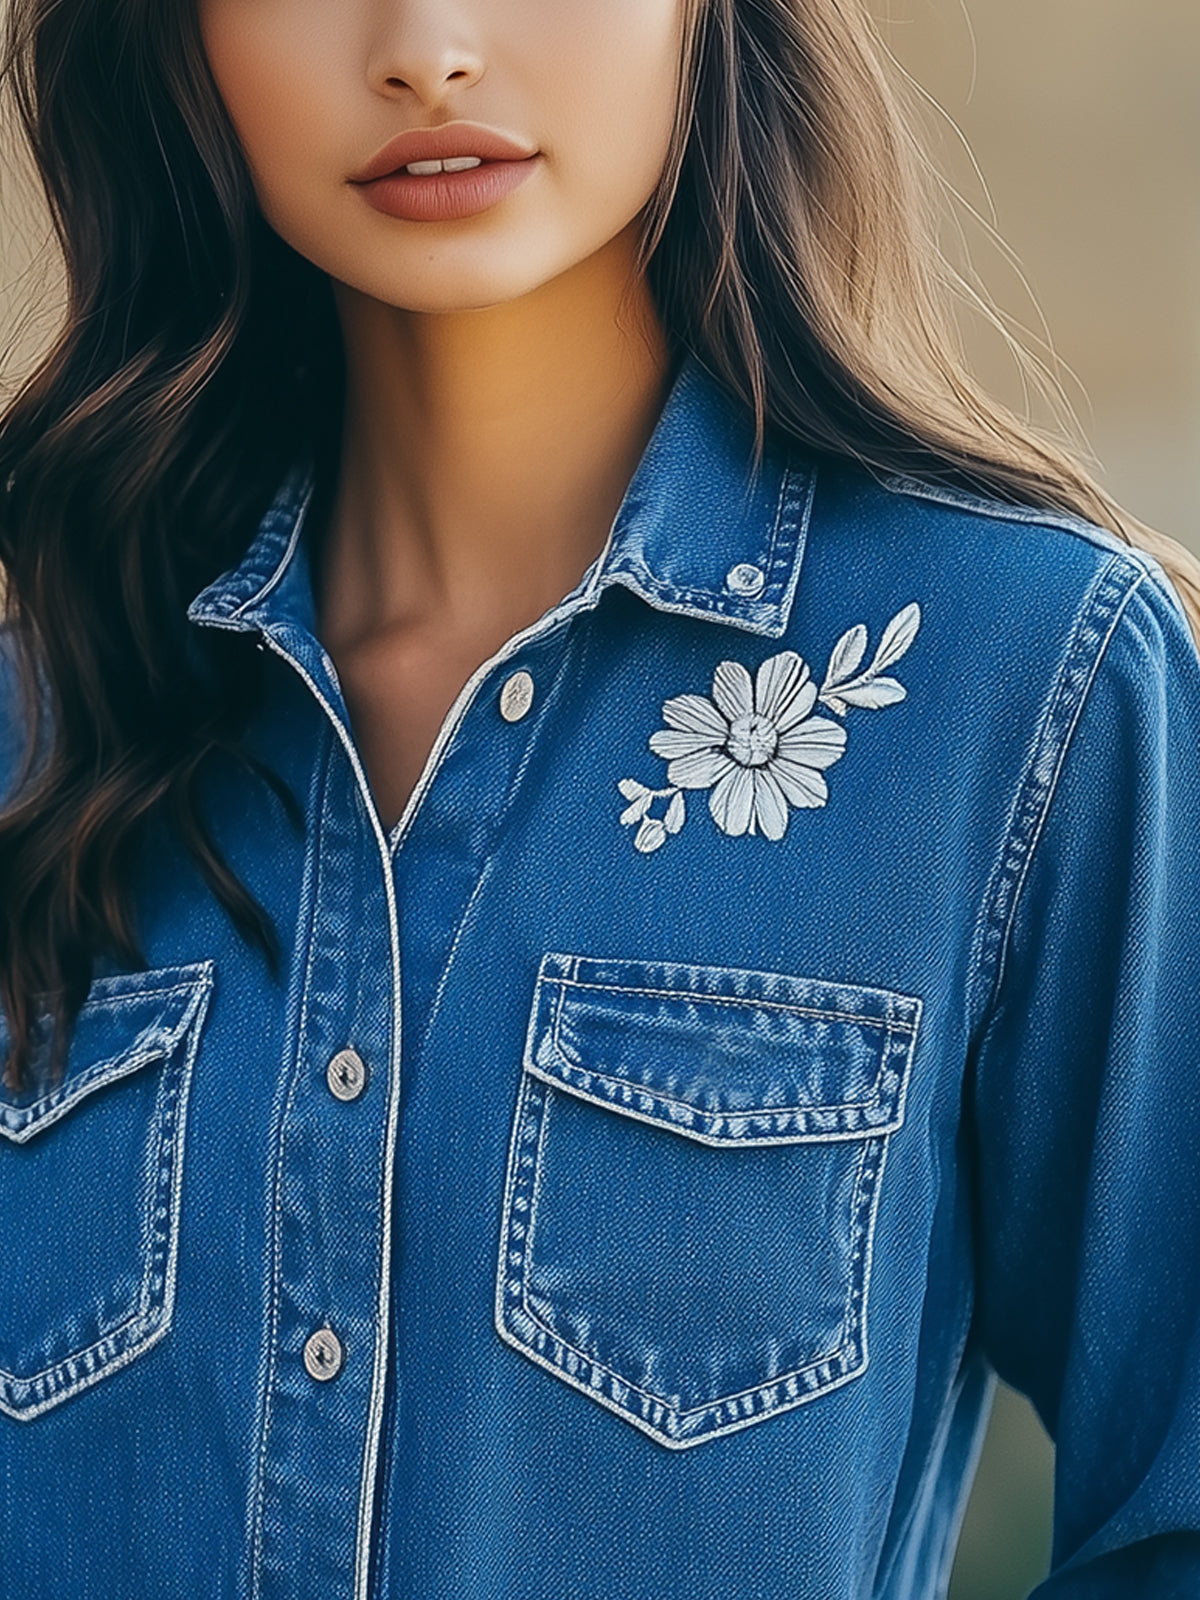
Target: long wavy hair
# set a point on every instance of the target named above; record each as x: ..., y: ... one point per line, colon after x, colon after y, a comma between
x: 791, y: 247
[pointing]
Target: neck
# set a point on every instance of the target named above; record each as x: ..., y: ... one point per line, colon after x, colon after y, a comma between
x: 486, y: 452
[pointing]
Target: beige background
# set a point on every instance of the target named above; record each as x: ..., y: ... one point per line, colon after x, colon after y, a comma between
x: 1084, y: 118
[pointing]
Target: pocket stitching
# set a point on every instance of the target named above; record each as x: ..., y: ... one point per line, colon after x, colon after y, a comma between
x: 823, y: 1014
x: 833, y: 1354
x: 718, y: 1142
x: 890, y: 1124
x: 847, y: 1361
x: 31, y: 1119
x: 850, y: 1355
x: 829, y: 1109
x: 138, y: 1332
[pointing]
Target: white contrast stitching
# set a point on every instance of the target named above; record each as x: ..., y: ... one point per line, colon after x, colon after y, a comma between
x: 276, y: 577
x: 815, y: 1012
x: 523, y: 1189
x: 852, y: 1348
x: 138, y: 1332
x: 383, y: 1306
x: 1093, y: 627
x: 257, y: 1505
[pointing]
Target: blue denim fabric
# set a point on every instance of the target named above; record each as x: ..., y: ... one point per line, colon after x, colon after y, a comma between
x: 787, y: 1022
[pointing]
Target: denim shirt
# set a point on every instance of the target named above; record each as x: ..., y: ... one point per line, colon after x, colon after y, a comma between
x: 774, y: 1013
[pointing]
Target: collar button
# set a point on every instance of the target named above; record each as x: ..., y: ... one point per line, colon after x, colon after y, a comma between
x: 516, y: 697
x: 745, y: 578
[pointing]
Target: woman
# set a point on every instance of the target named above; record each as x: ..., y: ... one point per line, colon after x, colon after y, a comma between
x: 600, y: 854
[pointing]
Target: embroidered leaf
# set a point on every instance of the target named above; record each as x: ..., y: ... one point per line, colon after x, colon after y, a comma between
x: 632, y: 789
x: 847, y: 653
x: 676, y: 815
x: 650, y: 835
x: 873, y: 692
x: 898, y: 635
x: 636, y: 811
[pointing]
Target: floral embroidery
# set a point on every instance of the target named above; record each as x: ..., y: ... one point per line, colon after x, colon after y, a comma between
x: 755, y: 745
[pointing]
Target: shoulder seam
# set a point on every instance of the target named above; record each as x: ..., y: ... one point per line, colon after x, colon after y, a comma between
x: 1092, y: 632
x: 1030, y: 516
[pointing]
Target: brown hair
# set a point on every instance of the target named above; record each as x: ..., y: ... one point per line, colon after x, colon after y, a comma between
x: 794, y: 245
x: 790, y: 248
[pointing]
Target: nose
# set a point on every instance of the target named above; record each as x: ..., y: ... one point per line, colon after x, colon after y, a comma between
x: 426, y: 51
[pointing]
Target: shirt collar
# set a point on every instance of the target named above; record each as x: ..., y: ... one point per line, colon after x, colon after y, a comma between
x: 700, y: 532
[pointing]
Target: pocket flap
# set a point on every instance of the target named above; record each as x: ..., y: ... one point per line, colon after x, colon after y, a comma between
x: 126, y: 1022
x: 723, y: 1055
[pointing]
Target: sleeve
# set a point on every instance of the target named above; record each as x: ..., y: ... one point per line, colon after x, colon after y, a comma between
x: 1084, y: 1107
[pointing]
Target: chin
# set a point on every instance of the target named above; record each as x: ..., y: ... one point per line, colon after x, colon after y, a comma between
x: 440, y: 280
x: 442, y: 299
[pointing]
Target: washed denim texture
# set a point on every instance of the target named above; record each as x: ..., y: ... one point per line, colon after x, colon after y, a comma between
x: 704, y: 1173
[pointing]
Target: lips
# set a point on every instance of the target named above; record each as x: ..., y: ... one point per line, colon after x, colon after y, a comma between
x: 453, y: 140
x: 447, y: 196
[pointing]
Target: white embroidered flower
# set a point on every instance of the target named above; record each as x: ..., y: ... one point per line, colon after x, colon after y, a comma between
x: 754, y: 744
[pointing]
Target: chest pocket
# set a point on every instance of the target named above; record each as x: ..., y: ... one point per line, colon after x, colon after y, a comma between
x: 90, y: 1173
x: 693, y: 1178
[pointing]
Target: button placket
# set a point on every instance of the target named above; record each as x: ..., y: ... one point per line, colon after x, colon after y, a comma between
x: 331, y: 1218
x: 477, y: 777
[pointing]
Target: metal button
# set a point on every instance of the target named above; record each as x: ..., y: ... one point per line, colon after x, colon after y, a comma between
x: 745, y: 578
x: 323, y: 1355
x: 346, y: 1075
x: 516, y: 697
